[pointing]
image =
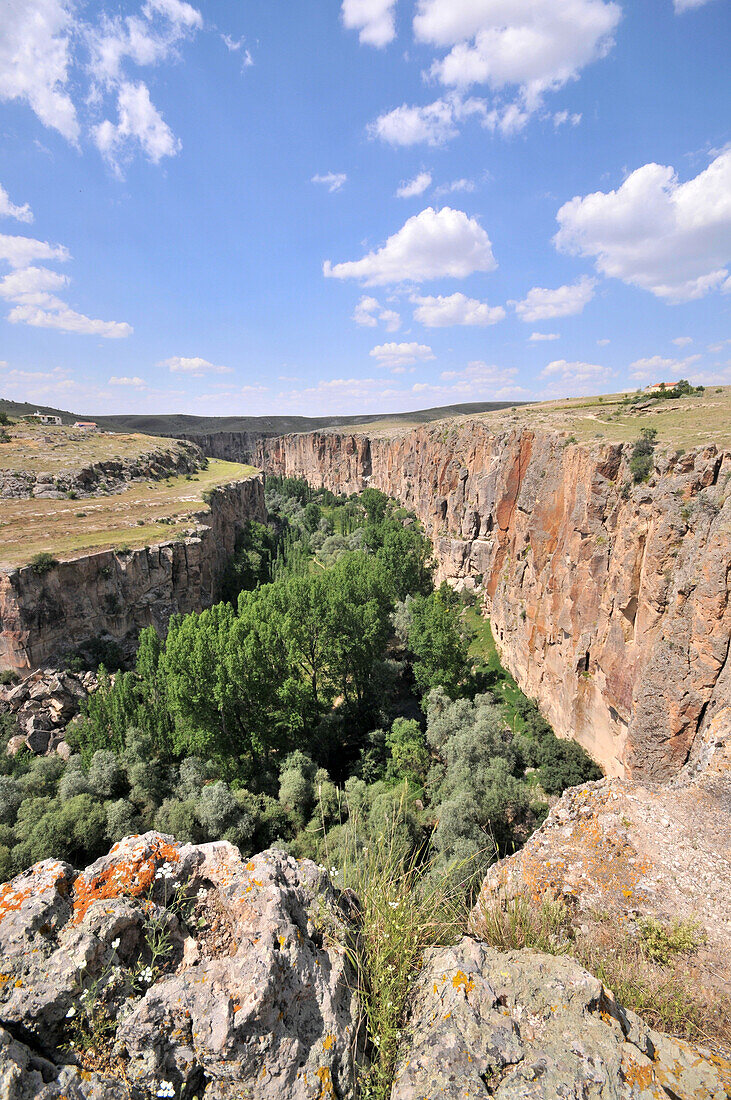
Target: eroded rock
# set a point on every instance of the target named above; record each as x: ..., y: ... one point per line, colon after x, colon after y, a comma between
x: 515, y: 1025
x: 251, y: 996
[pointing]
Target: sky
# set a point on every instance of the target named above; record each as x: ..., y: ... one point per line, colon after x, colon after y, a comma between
x: 347, y: 206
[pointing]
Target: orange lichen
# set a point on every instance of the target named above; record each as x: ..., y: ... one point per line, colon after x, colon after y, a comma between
x: 461, y: 979
x: 329, y: 1042
x: 127, y: 878
x: 325, y: 1078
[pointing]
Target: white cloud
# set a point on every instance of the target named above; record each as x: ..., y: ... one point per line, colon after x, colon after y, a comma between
x: 398, y: 355
x: 138, y: 122
x: 456, y: 185
x: 603, y: 343
x: 35, y: 56
x: 10, y: 210
x: 364, y: 314
x: 409, y: 189
x: 332, y: 180
x: 374, y: 19
x: 456, y: 309
x: 682, y: 341
x: 575, y: 377
x: 434, y: 124
x: 21, y: 251
x: 194, y: 366
x: 560, y: 118
x: 534, y: 46
x: 651, y: 368
x: 135, y: 383
x: 32, y: 290
x: 145, y: 41
x: 688, y: 5
x: 62, y: 317
x: 537, y: 337
x: 671, y: 238
x: 541, y: 304
x: 434, y: 244
x: 478, y: 380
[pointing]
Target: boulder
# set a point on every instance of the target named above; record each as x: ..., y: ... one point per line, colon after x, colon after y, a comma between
x: 519, y: 1024
x: 190, y: 969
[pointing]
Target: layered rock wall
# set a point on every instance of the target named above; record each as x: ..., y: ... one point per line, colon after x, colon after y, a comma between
x: 117, y: 593
x: 609, y: 601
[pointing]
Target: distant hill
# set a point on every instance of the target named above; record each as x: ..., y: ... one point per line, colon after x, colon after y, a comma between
x: 173, y: 424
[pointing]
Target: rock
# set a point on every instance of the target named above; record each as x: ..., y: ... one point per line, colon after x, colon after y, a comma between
x: 519, y: 1024
x: 254, y: 996
x: 628, y: 851
x: 611, y: 609
x: 25, y: 1075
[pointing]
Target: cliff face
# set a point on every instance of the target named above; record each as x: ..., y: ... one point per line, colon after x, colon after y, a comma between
x: 116, y: 593
x: 609, y: 602
x: 229, y: 446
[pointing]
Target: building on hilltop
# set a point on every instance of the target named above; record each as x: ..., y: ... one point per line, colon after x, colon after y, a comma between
x: 86, y: 425
x: 44, y: 418
x: 659, y: 387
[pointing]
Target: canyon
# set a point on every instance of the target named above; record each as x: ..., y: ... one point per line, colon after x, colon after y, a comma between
x: 609, y: 600
x: 116, y: 593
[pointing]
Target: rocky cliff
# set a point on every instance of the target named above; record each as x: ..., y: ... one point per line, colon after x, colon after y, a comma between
x: 609, y: 601
x: 117, y: 593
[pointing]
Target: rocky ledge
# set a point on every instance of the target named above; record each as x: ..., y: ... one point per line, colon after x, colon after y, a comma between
x: 169, y: 970
x: 42, y: 705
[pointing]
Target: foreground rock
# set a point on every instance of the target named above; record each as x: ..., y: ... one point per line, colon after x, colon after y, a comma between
x: 619, y: 851
x: 250, y: 994
x: 515, y: 1025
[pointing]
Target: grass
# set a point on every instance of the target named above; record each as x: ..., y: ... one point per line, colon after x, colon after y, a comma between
x: 645, y: 966
x: 34, y: 448
x: 61, y: 528
x: 486, y: 659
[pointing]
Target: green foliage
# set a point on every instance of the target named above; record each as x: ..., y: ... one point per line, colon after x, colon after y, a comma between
x: 406, y: 744
x: 436, y: 641
x: 42, y: 563
x: 659, y: 942
x: 641, y: 463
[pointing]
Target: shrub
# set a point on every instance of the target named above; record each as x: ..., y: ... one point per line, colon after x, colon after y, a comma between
x: 641, y: 463
x: 42, y: 563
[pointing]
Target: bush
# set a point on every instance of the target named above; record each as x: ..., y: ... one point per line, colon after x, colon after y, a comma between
x: 641, y: 463
x: 42, y: 563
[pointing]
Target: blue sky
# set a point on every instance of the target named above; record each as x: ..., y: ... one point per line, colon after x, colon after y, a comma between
x: 252, y: 206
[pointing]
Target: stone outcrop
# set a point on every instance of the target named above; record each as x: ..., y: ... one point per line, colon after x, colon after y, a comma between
x: 250, y: 994
x: 516, y: 1024
x: 42, y: 705
x: 610, y: 602
x: 115, y: 594
x: 622, y: 852
x: 108, y: 475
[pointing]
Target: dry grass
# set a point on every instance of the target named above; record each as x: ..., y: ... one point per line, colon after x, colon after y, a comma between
x: 144, y: 513
x: 34, y: 448
x: 666, y: 994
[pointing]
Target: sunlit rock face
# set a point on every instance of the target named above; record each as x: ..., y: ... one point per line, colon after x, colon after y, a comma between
x: 609, y: 601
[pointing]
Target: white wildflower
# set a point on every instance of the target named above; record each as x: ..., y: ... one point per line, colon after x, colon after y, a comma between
x: 115, y: 944
x: 146, y: 975
x: 393, y: 904
x: 166, y: 1088
x: 71, y: 1012
x: 202, y: 894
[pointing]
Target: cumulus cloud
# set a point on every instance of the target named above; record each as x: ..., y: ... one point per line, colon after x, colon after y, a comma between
x: 655, y: 366
x: 532, y: 46
x: 542, y: 304
x: 399, y: 355
x: 21, y: 251
x: 434, y: 244
x: 55, y: 51
x: 369, y: 312
x: 332, y: 180
x: 478, y: 380
x: 409, y: 189
x: 537, y: 337
x: 194, y: 366
x: 434, y: 124
x: 576, y: 377
x: 136, y: 383
x: 671, y: 238
x: 456, y: 309
x: 139, y: 123
x: 33, y: 292
x: 373, y: 19
x: 35, y: 57
x: 10, y: 210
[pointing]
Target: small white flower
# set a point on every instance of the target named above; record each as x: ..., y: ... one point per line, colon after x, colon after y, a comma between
x: 393, y: 904
x: 146, y: 975
x: 166, y: 1089
x: 71, y: 1012
x: 115, y: 944
x: 202, y: 894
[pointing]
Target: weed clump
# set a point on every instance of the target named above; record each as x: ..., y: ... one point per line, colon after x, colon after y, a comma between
x: 42, y: 563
